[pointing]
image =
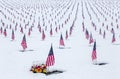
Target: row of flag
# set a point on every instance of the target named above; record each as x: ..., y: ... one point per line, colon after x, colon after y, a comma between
x: 24, y: 42
x: 88, y: 35
x: 50, y: 61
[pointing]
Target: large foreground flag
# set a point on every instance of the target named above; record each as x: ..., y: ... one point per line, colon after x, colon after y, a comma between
x: 94, y: 57
x: 50, y: 59
x: 23, y: 43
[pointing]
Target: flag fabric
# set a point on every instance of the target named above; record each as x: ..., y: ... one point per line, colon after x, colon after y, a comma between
x: 43, y: 35
x: 10, y: 27
x: 59, y: 27
x: 31, y: 28
x: 104, y: 34
x: 94, y: 57
x: 100, y: 31
x: 23, y: 43
x: 95, y: 27
x: 51, y: 32
x: 112, y: 31
x: 111, y: 23
x: 25, y: 27
x: 1, y: 30
x: 50, y: 59
x: 117, y: 26
x: 21, y: 30
x: 83, y: 26
x: 56, y: 29
x: 16, y: 27
x: 13, y: 36
x: 61, y: 41
x: 40, y: 29
x: 91, y: 39
x: 66, y: 34
x: 29, y: 32
x: 5, y: 33
x: 87, y: 34
x: 116, y: 20
x: 113, y: 38
x: 107, y: 27
x: 71, y: 28
x: 102, y: 24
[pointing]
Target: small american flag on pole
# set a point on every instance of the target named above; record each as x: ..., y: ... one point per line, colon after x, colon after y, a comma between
x: 23, y: 43
x: 13, y: 36
x: 56, y: 29
x: 50, y: 59
x: 5, y: 33
x: 94, y: 57
x: 51, y: 32
x: 87, y: 34
x: 1, y: 30
x: 43, y: 35
x: 113, y: 38
x: 91, y: 39
x: 61, y: 41
x: 66, y: 34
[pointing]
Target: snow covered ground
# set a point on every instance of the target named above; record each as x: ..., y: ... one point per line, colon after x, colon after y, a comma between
x: 75, y: 60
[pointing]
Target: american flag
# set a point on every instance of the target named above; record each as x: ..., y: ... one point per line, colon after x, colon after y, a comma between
x: 51, y: 33
x: 113, y: 38
x: 117, y: 26
x: 100, y: 31
x: 94, y: 57
x: 13, y: 36
x: 5, y: 33
x: 66, y: 34
x: 56, y: 29
x: 71, y: 28
x: 29, y: 32
x: 91, y: 39
x: 112, y: 31
x: 21, y: 30
x: 83, y: 26
x: 43, y: 35
x: 40, y: 29
x: 23, y: 43
x: 104, y: 34
x: 61, y: 41
x: 87, y: 34
x: 50, y: 59
x: 107, y: 27
x: 1, y: 30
